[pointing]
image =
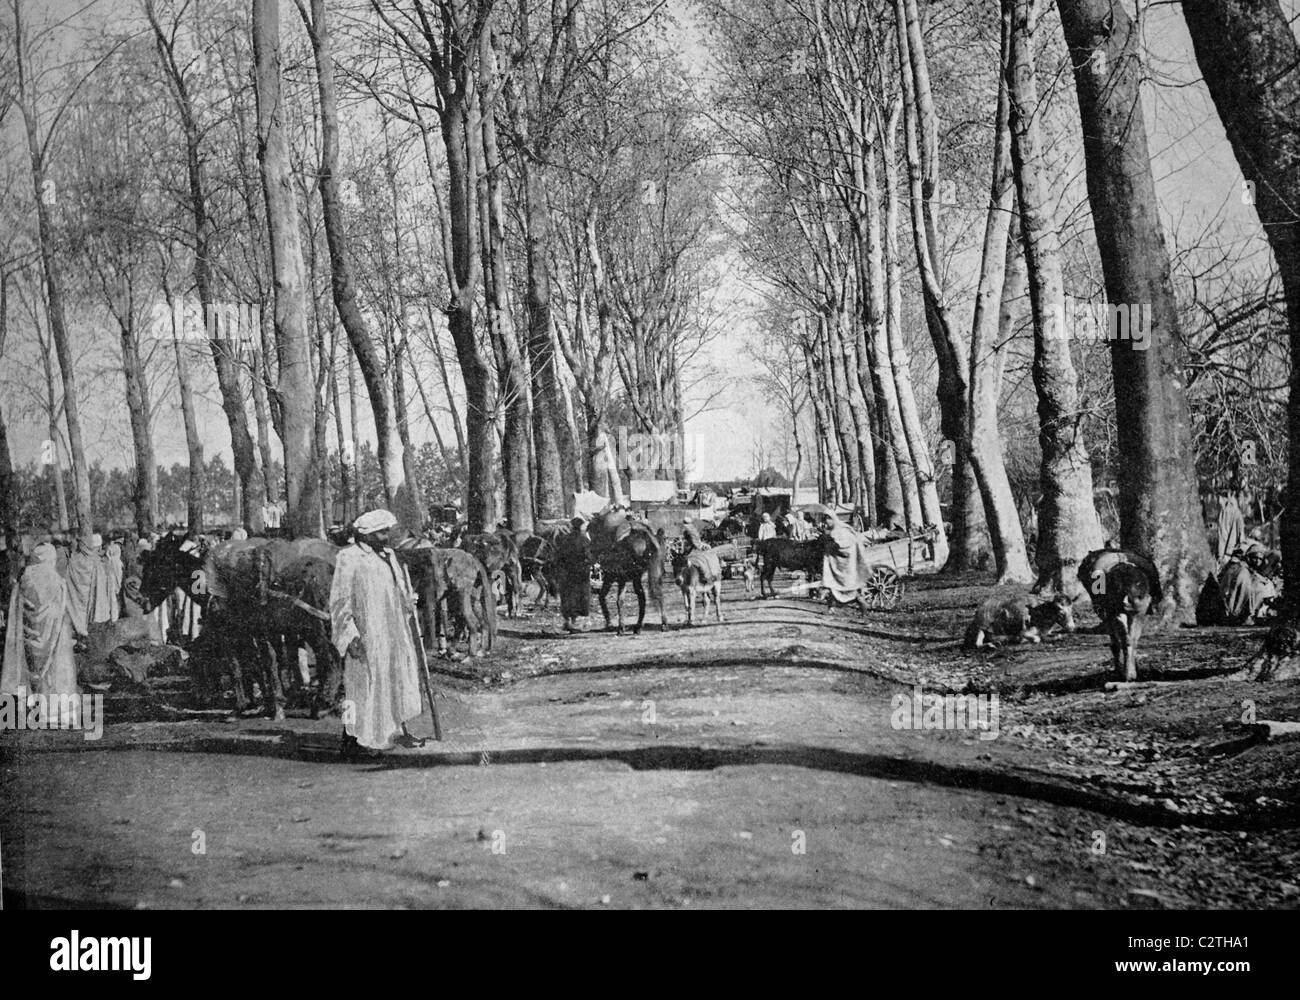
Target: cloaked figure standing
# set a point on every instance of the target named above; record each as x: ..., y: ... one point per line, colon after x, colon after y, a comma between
x: 371, y: 601
x: 38, y: 645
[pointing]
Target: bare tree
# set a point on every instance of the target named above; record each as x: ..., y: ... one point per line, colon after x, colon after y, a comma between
x: 1160, y: 511
x: 38, y: 148
x: 1068, y: 528
x: 391, y: 449
x: 1000, y: 514
x: 293, y: 339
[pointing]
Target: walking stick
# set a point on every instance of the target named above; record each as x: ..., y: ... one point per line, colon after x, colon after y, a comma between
x: 418, y: 639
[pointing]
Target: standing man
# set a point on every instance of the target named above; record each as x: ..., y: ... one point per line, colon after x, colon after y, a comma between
x: 371, y: 601
x: 766, y: 528
x: 573, y: 573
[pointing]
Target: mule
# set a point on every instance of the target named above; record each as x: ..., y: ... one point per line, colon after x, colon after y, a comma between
x: 498, y: 551
x: 451, y: 581
x: 699, y: 572
x: 629, y: 552
x: 1124, y: 588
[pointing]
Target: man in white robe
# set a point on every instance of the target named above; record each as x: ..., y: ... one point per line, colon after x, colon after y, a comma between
x: 38, y: 656
x: 371, y: 601
x: 846, y: 565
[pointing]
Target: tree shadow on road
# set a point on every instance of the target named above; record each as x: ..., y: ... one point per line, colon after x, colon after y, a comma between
x: 985, y: 779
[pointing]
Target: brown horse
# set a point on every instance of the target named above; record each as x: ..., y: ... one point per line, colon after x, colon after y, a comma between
x: 784, y: 553
x: 629, y: 552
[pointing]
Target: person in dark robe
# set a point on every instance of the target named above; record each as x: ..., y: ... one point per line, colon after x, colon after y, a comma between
x: 573, y: 573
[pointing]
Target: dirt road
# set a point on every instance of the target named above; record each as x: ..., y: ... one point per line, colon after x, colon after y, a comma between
x: 760, y: 762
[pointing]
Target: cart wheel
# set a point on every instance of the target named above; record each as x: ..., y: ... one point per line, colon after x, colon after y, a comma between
x: 884, y: 588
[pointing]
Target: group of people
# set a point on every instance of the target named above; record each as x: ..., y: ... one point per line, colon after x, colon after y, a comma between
x: 846, y: 562
x: 57, y: 588
x: 63, y: 591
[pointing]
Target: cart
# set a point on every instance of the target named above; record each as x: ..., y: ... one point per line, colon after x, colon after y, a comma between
x: 893, y: 557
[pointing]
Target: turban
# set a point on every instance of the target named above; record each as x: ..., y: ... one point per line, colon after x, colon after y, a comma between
x: 96, y: 541
x: 43, y: 553
x: 374, y: 520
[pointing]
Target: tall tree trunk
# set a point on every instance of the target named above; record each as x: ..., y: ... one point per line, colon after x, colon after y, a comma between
x: 458, y: 118
x: 601, y: 461
x: 921, y: 129
x: 917, y: 465
x: 261, y: 408
x: 223, y: 352
x: 445, y: 380
x: 358, y: 484
x: 845, y: 422
x: 1068, y: 528
x: 399, y: 496
x: 900, y: 498
x: 8, y: 501
x: 986, y: 445
x: 411, y: 469
x: 53, y: 466
x: 8, y: 482
x: 513, y: 377
x: 1248, y: 54
x: 137, y: 405
x: 1015, y: 287
x: 861, y: 408
x: 341, y: 441
x: 553, y: 440
x: 828, y: 460
x: 293, y: 340
x: 54, y: 295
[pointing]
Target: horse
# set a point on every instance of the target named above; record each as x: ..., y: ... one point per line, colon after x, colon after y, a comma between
x: 785, y: 553
x: 296, y: 614
x: 629, y: 552
x: 233, y: 583
x: 442, y: 576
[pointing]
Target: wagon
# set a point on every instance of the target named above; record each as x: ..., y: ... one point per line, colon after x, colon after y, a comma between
x: 892, y: 558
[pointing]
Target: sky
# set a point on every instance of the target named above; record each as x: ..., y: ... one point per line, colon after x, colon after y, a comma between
x: 1198, y: 184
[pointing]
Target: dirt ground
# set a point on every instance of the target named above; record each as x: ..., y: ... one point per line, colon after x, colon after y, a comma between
x: 756, y: 763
